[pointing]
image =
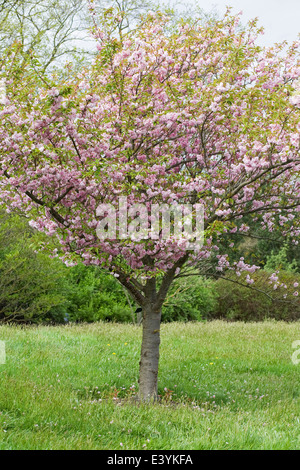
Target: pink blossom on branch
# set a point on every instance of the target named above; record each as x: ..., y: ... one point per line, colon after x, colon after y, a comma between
x: 200, y: 115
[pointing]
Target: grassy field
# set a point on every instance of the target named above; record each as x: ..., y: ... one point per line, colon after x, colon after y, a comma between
x: 223, y: 386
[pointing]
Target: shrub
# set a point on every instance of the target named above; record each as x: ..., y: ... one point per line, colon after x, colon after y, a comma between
x: 279, y: 261
x: 30, y: 282
x: 190, y: 298
x: 35, y: 288
x: 95, y: 295
x: 236, y: 302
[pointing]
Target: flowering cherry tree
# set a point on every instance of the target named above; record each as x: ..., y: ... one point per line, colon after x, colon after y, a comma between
x: 192, y: 115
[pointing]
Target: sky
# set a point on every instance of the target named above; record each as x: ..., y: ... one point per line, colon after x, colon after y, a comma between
x: 280, y: 18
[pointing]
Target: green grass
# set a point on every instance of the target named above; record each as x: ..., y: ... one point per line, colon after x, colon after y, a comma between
x: 224, y: 386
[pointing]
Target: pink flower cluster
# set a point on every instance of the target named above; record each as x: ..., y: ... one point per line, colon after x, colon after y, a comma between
x: 199, y: 116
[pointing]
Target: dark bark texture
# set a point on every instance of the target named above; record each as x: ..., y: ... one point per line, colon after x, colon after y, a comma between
x: 151, y: 301
x: 149, y: 354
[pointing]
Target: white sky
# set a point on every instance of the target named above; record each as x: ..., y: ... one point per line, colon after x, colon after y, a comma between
x: 280, y: 18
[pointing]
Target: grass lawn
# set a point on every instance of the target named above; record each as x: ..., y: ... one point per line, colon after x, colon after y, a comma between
x: 224, y: 386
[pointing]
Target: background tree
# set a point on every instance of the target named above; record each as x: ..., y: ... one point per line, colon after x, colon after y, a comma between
x: 59, y: 31
x: 193, y: 115
x: 54, y: 30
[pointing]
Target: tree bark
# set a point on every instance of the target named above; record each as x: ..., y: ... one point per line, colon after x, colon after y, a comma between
x: 149, y: 354
x: 151, y: 301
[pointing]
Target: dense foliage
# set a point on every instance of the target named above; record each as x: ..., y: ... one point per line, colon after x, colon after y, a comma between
x: 37, y: 289
x: 30, y: 282
x: 237, y: 302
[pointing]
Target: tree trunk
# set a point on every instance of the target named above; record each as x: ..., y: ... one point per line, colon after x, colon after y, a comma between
x: 151, y: 301
x: 149, y: 354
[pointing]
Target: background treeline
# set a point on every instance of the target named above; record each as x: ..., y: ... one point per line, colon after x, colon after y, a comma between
x: 35, y: 288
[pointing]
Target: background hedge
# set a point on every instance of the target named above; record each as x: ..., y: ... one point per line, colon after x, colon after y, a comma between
x: 37, y: 289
